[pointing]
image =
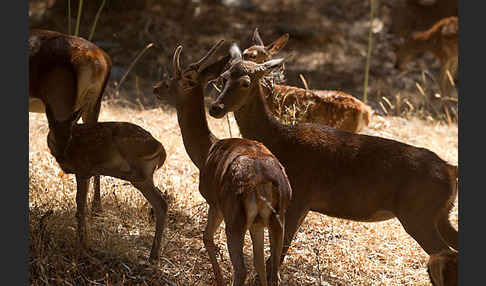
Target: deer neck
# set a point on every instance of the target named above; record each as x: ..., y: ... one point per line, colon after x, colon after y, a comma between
x: 192, y: 120
x: 257, y: 122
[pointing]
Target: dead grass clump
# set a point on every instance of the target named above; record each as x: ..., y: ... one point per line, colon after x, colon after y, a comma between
x: 326, y: 251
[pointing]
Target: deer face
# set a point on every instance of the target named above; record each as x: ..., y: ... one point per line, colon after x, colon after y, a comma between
x: 240, y: 80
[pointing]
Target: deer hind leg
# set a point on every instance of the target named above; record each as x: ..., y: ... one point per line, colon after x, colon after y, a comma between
x: 447, y: 231
x: 82, y: 185
x: 294, y: 218
x: 160, y: 206
x: 96, y: 203
x: 424, y: 230
x: 235, y: 235
x: 276, y: 235
x: 257, y: 238
x: 215, y: 217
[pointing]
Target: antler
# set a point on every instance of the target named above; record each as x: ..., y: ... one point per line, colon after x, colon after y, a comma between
x: 176, y: 65
x: 202, y: 62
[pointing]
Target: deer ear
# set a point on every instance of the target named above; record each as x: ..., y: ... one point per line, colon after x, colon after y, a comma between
x: 256, y: 38
x: 235, y: 52
x: 271, y: 64
x: 278, y: 44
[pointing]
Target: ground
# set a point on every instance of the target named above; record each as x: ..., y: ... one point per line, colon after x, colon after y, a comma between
x: 328, y: 44
x: 326, y: 250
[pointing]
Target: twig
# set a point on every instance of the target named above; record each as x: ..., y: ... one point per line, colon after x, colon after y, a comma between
x: 368, y: 56
x: 93, y: 27
x: 449, y: 76
x: 80, y: 9
x: 69, y: 17
x: 132, y: 64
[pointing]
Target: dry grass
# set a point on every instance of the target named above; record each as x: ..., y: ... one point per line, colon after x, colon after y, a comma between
x: 326, y: 251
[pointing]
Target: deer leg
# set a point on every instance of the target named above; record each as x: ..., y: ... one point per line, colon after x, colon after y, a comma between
x: 91, y: 117
x: 82, y: 185
x: 96, y: 203
x: 425, y: 232
x: 293, y: 219
x: 160, y: 206
x: 257, y: 238
x: 276, y: 245
x: 214, y: 220
x: 447, y: 231
x: 235, y: 235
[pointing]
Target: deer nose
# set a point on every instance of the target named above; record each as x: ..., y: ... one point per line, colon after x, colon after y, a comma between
x: 216, y: 110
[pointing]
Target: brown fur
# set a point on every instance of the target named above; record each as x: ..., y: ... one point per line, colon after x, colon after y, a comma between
x: 240, y: 179
x: 330, y: 107
x: 442, y: 41
x: 341, y: 174
x: 117, y: 149
x: 442, y: 268
x: 70, y: 75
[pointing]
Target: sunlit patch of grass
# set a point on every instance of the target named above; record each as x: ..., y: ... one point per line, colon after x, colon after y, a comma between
x: 349, y: 253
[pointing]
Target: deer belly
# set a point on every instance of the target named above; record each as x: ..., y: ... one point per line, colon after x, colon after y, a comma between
x: 36, y: 105
x: 356, y: 213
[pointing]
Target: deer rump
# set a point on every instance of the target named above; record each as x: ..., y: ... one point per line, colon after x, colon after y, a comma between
x: 248, y: 171
x: 68, y: 58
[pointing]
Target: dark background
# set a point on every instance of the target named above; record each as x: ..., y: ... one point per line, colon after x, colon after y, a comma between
x: 328, y: 41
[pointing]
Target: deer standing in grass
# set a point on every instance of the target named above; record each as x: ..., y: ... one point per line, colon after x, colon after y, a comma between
x: 68, y: 74
x: 342, y: 174
x: 116, y: 149
x: 240, y: 179
x: 330, y: 107
x: 442, y: 268
x: 442, y: 41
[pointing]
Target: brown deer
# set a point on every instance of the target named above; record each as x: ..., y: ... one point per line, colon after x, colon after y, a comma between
x: 69, y: 74
x: 240, y: 179
x: 442, y: 41
x: 330, y: 107
x: 418, y: 15
x: 116, y: 149
x: 342, y: 174
x: 442, y: 268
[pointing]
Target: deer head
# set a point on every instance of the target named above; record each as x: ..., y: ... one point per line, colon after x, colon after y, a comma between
x: 260, y: 53
x: 60, y: 133
x: 240, y: 80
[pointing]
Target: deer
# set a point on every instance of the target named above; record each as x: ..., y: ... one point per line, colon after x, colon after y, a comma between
x: 241, y: 180
x: 117, y: 149
x: 442, y: 41
x: 69, y: 74
x: 442, y: 268
x: 342, y: 174
x: 410, y: 16
x: 333, y: 108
